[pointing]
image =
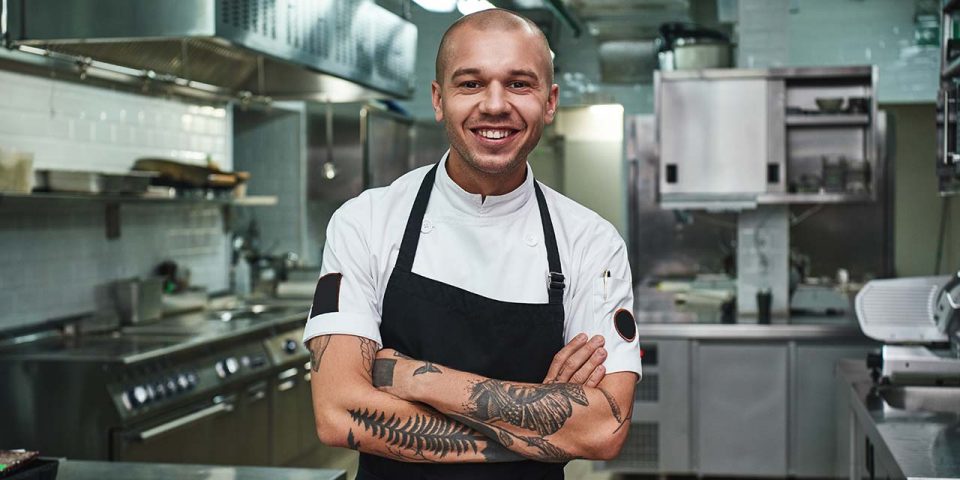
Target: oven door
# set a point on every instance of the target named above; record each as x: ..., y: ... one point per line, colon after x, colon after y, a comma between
x: 229, y: 429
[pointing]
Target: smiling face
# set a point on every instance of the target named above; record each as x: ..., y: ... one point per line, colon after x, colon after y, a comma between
x: 494, y: 93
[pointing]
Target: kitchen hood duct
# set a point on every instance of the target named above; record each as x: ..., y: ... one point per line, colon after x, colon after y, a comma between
x: 330, y: 50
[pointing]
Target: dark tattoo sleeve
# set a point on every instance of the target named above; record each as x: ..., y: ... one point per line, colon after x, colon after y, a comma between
x: 352, y: 443
x: 426, y: 368
x: 541, y: 408
x: 545, y: 451
x: 368, y: 350
x: 383, y: 372
x: 420, y: 433
x: 613, y: 405
x: 317, y: 347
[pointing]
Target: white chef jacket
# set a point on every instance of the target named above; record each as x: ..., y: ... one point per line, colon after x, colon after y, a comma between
x: 492, y: 247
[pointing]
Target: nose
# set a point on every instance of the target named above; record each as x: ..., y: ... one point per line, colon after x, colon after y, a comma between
x: 494, y: 100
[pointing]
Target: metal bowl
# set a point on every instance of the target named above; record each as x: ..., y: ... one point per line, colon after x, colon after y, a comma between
x: 830, y: 104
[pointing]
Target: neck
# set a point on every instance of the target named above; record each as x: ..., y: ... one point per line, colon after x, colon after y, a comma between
x: 478, y: 182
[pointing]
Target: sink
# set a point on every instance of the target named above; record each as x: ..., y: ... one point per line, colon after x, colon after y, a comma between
x: 921, y: 398
x: 247, y: 312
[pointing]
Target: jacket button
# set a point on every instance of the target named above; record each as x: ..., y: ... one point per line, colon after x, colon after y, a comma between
x: 426, y: 227
x: 531, y: 240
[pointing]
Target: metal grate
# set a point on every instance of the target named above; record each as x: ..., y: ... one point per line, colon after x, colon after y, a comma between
x: 255, y: 16
x: 648, y: 390
x: 641, y: 450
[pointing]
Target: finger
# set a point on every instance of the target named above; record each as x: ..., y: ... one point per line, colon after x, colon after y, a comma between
x: 596, y: 377
x: 595, y: 360
x: 576, y: 360
x: 562, y: 356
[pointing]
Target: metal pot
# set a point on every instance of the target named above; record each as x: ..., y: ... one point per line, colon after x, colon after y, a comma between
x: 688, y: 47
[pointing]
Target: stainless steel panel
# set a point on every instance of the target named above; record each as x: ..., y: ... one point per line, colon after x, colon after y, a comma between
x: 345, y: 151
x: 386, y: 141
x: 715, y: 135
x: 237, y: 44
x: 814, y: 418
x: 429, y: 143
x: 742, y: 406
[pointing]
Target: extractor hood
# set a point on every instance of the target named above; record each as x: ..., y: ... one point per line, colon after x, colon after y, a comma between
x: 280, y: 49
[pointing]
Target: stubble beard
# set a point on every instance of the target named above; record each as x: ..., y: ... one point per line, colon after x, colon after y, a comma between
x: 484, y: 169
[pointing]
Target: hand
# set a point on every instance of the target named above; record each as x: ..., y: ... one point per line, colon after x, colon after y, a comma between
x: 579, y: 362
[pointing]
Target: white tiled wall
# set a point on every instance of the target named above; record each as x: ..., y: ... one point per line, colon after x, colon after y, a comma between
x: 55, y: 259
x: 842, y: 32
x: 78, y: 127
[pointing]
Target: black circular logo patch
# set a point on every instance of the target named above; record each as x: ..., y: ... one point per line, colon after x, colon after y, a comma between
x: 626, y: 326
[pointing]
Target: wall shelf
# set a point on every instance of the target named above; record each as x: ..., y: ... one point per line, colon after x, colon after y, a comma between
x: 111, y: 204
x: 812, y: 198
x: 828, y: 120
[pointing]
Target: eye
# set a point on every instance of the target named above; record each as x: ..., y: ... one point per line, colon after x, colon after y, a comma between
x: 518, y: 84
x: 470, y: 84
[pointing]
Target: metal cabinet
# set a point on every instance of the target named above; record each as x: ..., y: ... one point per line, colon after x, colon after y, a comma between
x: 717, y: 136
x: 741, y: 405
x: 735, y: 138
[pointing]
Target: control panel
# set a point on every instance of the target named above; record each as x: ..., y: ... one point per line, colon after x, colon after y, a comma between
x: 163, y: 382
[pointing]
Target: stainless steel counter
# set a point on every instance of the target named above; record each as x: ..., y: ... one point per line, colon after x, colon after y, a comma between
x: 742, y: 331
x: 84, y: 470
x: 922, y: 444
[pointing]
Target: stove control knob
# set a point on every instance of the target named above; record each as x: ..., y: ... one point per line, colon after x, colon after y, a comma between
x: 173, y: 386
x: 183, y: 382
x: 138, y: 396
x: 232, y: 365
x: 151, y: 393
x: 290, y: 346
x: 192, y: 379
x: 161, y: 389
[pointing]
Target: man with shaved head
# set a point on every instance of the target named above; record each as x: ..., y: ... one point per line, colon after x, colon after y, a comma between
x: 469, y: 322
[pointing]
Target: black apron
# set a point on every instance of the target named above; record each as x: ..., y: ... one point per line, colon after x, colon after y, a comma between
x: 436, y: 322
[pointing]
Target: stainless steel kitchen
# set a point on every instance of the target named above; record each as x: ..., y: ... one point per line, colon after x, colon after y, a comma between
x: 751, y: 205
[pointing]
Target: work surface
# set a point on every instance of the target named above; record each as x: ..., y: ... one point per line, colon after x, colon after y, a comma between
x: 84, y: 470
x: 924, y: 444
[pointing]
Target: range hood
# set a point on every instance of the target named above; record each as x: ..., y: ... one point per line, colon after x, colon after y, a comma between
x: 329, y: 50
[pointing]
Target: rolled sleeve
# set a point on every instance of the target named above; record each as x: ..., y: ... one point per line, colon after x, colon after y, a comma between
x: 604, y: 304
x: 346, y: 300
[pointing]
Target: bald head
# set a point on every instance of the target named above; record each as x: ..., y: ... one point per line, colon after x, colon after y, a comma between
x: 497, y: 20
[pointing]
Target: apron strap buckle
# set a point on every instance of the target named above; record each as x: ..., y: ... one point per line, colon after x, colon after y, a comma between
x: 557, y: 281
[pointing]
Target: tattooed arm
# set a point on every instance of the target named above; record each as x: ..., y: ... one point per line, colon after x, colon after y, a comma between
x: 351, y: 413
x: 553, y: 422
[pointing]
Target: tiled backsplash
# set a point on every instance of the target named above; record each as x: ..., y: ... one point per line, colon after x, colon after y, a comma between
x: 842, y: 32
x: 55, y: 258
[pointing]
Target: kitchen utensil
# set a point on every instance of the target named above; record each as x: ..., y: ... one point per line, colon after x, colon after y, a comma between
x: 830, y: 104
x: 689, y: 47
x: 16, y: 171
x: 764, y: 300
x: 178, y: 174
x: 833, y: 171
x: 858, y: 104
x: 133, y: 183
x: 68, y: 181
x: 139, y: 300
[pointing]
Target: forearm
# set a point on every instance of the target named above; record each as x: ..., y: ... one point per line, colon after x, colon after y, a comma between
x: 552, y: 422
x: 351, y: 413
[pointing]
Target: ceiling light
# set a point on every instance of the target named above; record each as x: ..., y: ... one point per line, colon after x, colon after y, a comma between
x: 467, y: 7
x: 440, y: 6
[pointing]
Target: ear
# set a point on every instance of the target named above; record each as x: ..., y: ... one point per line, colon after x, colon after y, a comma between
x: 437, y: 100
x: 552, y: 99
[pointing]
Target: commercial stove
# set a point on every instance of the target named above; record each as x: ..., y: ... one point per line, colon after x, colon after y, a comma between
x: 198, y: 388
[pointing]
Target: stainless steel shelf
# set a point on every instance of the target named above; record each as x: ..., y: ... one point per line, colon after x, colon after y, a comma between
x: 828, y: 120
x: 952, y: 69
x: 810, y: 198
x: 264, y: 200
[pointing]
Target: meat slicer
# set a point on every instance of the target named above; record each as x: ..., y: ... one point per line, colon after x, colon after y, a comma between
x: 918, y: 321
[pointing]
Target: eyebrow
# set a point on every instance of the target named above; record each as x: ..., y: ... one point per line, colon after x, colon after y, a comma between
x: 522, y: 72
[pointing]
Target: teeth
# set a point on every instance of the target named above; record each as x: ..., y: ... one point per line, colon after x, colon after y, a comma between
x: 494, y: 134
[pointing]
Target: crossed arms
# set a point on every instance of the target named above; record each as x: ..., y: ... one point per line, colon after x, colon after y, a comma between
x: 387, y: 404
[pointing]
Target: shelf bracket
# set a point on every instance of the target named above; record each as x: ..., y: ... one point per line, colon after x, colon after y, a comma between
x: 112, y: 220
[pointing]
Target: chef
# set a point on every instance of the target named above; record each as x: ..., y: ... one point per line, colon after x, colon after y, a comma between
x: 439, y: 324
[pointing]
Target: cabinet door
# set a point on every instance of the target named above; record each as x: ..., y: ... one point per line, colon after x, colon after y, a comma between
x: 717, y: 136
x: 741, y: 414
x: 818, y: 419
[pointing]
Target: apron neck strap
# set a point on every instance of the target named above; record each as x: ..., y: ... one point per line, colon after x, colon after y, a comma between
x: 411, y: 235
